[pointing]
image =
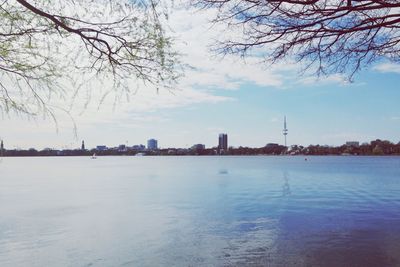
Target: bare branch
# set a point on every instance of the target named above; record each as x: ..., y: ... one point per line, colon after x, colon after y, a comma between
x: 334, y: 36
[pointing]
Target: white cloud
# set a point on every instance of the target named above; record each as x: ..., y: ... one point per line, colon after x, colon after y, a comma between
x: 139, y: 108
x: 203, y: 80
x: 388, y: 67
x: 324, y: 80
x: 195, y: 35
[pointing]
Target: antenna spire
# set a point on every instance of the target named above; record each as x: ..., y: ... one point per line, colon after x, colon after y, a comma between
x: 285, y: 130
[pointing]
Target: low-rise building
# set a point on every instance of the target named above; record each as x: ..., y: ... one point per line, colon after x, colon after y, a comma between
x: 101, y: 148
x: 198, y: 147
x: 122, y: 148
x: 353, y: 143
x: 139, y: 147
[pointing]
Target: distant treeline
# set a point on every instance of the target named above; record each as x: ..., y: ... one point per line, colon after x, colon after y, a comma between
x: 377, y: 147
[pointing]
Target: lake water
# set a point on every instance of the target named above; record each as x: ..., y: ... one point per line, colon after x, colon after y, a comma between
x: 200, y: 211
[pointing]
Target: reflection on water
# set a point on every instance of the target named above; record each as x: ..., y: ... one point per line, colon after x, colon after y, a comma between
x: 200, y: 211
x: 222, y: 171
x: 286, y: 186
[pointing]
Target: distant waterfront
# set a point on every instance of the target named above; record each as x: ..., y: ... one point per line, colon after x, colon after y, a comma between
x: 376, y: 147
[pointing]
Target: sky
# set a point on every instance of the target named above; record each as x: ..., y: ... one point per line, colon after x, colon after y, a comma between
x: 245, y: 99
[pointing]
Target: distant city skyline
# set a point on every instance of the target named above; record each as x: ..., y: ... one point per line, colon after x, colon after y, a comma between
x: 221, y: 143
x: 152, y: 144
x: 373, y: 148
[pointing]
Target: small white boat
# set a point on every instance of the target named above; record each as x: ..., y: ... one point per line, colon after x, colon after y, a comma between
x: 94, y: 156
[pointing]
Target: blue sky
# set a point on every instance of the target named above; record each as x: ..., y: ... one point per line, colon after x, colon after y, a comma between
x: 246, y: 100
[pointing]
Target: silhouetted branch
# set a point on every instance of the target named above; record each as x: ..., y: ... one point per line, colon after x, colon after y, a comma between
x: 331, y: 36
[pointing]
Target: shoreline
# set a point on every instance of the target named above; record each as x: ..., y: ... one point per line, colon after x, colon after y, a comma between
x: 244, y: 155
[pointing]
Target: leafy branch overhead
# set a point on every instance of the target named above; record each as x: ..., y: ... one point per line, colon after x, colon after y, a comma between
x: 330, y: 36
x: 45, y: 45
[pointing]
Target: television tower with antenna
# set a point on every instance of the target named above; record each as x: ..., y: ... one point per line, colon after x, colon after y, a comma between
x: 285, y: 130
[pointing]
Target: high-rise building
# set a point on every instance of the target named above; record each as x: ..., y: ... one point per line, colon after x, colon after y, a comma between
x: 152, y: 144
x: 83, y: 145
x: 223, y: 141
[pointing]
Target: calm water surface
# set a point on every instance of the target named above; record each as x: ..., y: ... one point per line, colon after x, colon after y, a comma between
x: 200, y: 211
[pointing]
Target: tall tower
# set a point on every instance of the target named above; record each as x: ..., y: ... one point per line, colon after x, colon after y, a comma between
x: 83, y: 145
x: 285, y: 130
